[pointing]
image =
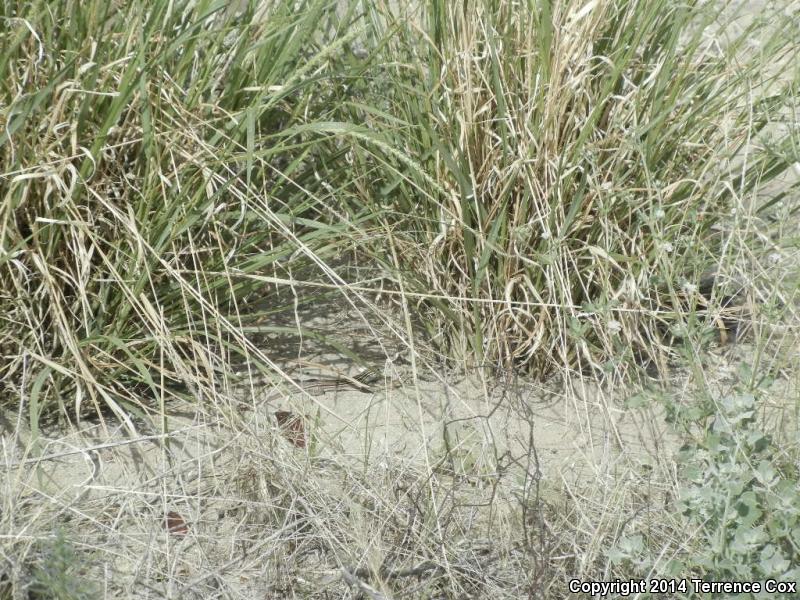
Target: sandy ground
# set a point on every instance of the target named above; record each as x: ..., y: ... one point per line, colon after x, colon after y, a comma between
x: 122, y: 485
x: 211, y: 472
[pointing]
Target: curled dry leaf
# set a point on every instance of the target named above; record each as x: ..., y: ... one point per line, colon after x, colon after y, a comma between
x: 175, y: 524
x: 292, y: 427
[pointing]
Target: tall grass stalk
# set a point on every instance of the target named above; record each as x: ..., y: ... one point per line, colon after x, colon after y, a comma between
x: 587, y: 158
x: 153, y: 156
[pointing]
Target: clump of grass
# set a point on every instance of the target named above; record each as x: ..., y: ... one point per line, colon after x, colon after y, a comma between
x: 153, y: 156
x: 556, y: 178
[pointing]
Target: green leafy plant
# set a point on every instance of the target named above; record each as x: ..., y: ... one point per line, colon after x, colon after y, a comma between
x: 740, y: 496
x: 737, y: 504
x: 56, y: 575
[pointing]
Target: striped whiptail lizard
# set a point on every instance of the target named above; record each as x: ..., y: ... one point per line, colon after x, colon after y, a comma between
x: 367, y: 381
